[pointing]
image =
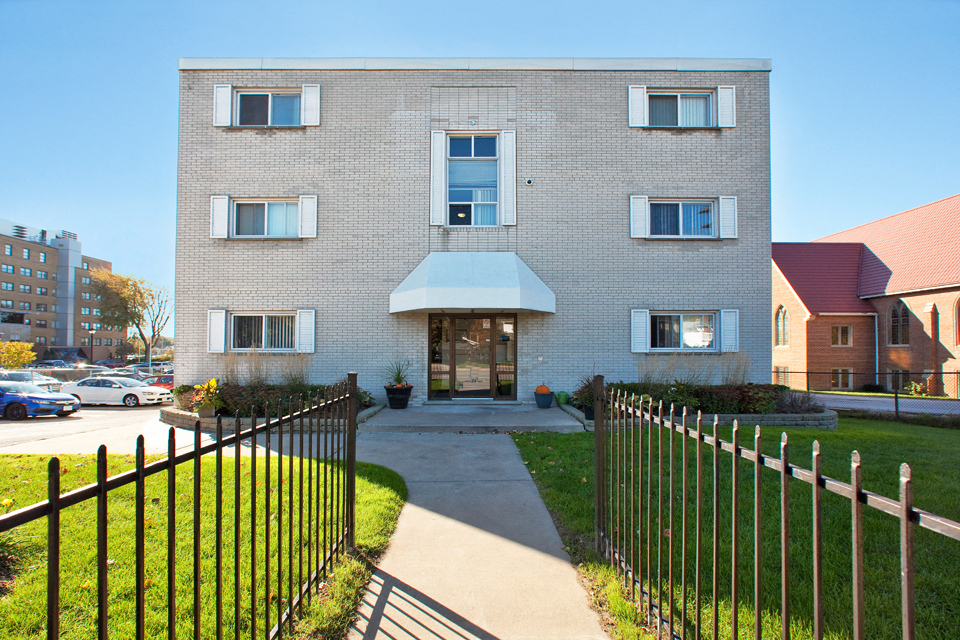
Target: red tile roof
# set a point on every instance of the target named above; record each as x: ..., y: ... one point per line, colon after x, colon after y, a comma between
x: 916, y: 249
x: 824, y: 275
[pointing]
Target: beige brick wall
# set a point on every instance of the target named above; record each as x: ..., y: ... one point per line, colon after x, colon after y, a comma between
x: 369, y: 163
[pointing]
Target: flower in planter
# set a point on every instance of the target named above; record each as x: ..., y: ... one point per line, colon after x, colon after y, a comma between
x: 397, y: 372
x: 206, y: 394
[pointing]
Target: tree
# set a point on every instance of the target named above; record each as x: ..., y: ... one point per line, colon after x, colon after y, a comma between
x: 127, y: 301
x: 14, y: 355
x: 158, y: 315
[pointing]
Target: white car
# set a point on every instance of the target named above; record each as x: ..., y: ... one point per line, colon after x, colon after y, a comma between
x: 125, y: 391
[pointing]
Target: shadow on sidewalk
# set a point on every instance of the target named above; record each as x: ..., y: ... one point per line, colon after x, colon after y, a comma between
x: 393, y: 609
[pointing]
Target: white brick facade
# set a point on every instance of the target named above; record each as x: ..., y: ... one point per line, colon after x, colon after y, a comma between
x: 369, y: 163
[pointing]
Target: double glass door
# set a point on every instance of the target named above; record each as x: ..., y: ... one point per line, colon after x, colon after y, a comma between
x: 473, y: 356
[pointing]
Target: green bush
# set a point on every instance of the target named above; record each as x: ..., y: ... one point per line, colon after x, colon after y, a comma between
x: 740, y: 398
x: 238, y: 400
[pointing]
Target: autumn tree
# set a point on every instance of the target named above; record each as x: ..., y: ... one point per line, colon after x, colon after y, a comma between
x: 132, y: 302
x: 14, y: 355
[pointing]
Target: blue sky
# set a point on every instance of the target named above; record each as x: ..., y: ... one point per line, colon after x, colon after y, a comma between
x: 864, y: 95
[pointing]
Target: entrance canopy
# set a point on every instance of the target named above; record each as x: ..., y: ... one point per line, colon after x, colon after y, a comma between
x: 472, y: 281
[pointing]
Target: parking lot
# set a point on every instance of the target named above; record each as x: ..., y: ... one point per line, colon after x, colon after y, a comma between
x: 86, y: 430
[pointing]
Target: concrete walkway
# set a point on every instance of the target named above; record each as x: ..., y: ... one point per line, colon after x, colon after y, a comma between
x: 471, y: 418
x: 475, y: 554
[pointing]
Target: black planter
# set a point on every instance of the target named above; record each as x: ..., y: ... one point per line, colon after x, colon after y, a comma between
x: 587, y: 412
x: 398, y: 397
x: 544, y: 400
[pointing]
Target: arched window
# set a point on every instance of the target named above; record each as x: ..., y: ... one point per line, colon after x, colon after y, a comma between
x: 899, y: 323
x: 782, y: 328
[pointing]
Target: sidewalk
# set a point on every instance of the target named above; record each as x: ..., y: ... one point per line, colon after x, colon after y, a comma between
x: 475, y: 553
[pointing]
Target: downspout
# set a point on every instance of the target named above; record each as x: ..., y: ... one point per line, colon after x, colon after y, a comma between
x: 876, y: 350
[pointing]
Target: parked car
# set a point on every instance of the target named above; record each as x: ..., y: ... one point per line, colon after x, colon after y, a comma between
x: 127, y: 372
x: 52, y: 364
x: 32, y: 377
x: 19, y: 400
x: 163, y: 381
x: 111, y: 364
x: 92, y: 368
x: 116, y: 390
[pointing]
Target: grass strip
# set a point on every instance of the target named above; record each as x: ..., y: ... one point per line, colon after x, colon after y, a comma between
x: 562, y: 467
x: 381, y: 494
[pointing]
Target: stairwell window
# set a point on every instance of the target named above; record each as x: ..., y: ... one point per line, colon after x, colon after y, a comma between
x: 472, y: 172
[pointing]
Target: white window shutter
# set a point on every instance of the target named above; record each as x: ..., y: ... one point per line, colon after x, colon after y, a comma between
x: 310, y: 105
x: 306, y: 330
x: 637, y: 99
x: 216, y: 330
x: 728, y: 217
x: 508, y: 177
x: 219, y: 216
x: 639, y: 330
x: 222, y: 105
x: 726, y: 106
x: 308, y: 216
x: 438, y: 175
x: 729, y: 330
x: 639, y: 217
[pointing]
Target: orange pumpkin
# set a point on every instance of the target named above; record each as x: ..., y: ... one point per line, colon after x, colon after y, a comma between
x: 542, y: 389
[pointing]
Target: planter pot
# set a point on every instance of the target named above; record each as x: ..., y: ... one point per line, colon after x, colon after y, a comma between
x: 587, y: 412
x: 398, y: 397
x: 206, y: 412
x: 544, y: 400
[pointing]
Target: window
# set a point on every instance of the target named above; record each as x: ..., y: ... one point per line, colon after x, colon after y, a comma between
x: 85, y: 326
x: 266, y: 107
x: 41, y: 340
x: 6, y: 286
x: 97, y: 327
x: 96, y: 342
x: 85, y: 311
x: 84, y: 280
x: 26, y: 272
x: 699, y: 219
x: 472, y: 171
x: 676, y: 332
x: 899, y: 323
x: 840, y: 335
x: 840, y: 378
x: 697, y: 108
x: 26, y: 321
x: 96, y: 312
x: 7, y: 268
x: 682, y: 219
x: 275, y: 109
x: 24, y: 288
x: 108, y: 342
x: 899, y: 379
x: 267, y: 332
x: 41, y: 291
x: 53, y: 307
x: 86, y: 266
x: 41, y: 307
x: 85, y: 295
x: 24, y: 306
x: 43, y: 257
x: 84, y: 342
x: 8, y: 251
x: 6, y: 304
x: 781, y: 375
x: 782, y: 331
x: 41, y: 324
x: 26, y: 254
x: 272, y: 219
x: 42, y: 274
x: 119, y: 342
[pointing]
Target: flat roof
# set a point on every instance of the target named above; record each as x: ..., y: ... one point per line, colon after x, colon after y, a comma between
x: 481, y: 64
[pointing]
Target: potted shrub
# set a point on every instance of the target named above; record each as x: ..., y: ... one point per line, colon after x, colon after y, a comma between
x: 544, y: 396
x: 582, y: 398
x: 205, y: 398
x: 398, y: 389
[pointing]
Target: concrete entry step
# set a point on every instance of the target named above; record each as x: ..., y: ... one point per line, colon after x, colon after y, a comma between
x: 473, y: 418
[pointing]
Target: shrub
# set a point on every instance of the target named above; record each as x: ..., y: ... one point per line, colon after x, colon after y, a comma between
x: 798, y: 402
x: 874, y: 388
x: 583, y: 396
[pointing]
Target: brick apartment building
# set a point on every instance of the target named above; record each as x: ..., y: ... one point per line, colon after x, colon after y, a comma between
x: 501, y: 223
x: 877, y: 304
x: 46, y: 298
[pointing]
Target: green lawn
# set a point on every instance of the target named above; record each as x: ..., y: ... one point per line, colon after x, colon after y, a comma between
x: 562, y: 465
x: 380, y: 496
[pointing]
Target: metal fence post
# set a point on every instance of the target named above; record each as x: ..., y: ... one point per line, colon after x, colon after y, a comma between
x: 598, y: 459
x: 896, y: 405
x: 53, y: 549
x: 351, y: 461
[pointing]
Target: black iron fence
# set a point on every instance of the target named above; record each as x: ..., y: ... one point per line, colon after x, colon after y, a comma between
x: 290, y: 524
x: 661, y: 526
x: 893, y: 392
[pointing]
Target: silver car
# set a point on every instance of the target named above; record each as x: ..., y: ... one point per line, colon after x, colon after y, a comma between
x: 32, y: 377
x: 123, y: 391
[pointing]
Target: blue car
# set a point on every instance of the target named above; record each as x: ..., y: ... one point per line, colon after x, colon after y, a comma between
x: 19, y: 400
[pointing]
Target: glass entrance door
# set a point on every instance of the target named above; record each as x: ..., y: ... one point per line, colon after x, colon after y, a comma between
x: 473, y: 356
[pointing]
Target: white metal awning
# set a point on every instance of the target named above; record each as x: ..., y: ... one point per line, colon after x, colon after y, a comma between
x: 472, y: 281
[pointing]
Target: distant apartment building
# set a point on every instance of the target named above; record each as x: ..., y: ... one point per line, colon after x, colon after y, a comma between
x: 46, y: 296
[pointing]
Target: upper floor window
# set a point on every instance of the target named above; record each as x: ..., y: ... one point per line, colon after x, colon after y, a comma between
x: 266, y: 107
x: 694, y: 218
x: 7, y: 268
x: 472, y: 177
x: 24, y: 288
x: 85, y: 311
x: 276, y: 219
x: 899, y: 323
x: 43, y: 257
x: 26, y: 272
x: 693, y: 108
x: 25, y: 306
x: 840, y: 335
x: 42, y: 274
x: 6, y: 286
x: 86, y: 266
x: 41, y: 307
x: 8, y: 250
x: 26, y: 254
x: 84, y: 280
x: 6, y: 304
x: 782, y: 328
x: 85, y: 295
x: 41, y: 291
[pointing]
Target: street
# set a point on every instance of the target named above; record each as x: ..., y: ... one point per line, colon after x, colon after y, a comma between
x: 933, y: 406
